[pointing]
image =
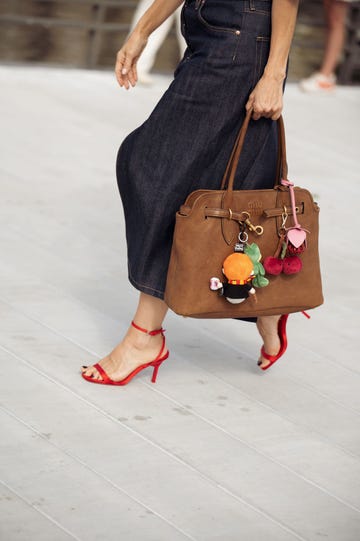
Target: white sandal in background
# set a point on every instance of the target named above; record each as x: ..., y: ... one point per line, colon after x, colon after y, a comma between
x: 319, y: 83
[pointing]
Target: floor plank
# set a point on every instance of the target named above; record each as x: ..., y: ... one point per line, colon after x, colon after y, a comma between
x: 23, y: 519
x: 81, y: 500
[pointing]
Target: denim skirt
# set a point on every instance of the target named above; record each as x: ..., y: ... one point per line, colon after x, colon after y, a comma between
x: 186, y: 142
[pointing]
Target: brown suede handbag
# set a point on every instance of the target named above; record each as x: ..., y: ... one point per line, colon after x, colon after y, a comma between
x: 213, y: 224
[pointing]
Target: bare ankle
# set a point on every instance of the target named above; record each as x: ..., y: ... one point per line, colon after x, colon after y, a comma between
x: 267, y: 324
x: 139, y: 341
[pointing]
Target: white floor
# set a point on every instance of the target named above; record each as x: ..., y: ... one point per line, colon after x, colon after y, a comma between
x: 216, y: 449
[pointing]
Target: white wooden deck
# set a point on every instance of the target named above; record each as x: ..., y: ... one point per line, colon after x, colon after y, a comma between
x: 216, y: 449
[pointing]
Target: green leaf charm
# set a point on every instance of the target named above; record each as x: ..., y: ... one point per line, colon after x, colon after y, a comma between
x: 260, y: 281
x: 253, y: 251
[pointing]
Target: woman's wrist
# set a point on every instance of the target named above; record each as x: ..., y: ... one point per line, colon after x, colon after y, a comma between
x: 142, y: 30
x: 275, y: 73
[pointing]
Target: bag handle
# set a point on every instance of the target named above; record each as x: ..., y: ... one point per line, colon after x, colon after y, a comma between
x: 229, y: 175
x: 227, y: 226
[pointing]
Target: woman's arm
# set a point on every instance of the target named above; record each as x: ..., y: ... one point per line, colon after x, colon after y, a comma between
x: 127, y: 57
x: 267, y: 96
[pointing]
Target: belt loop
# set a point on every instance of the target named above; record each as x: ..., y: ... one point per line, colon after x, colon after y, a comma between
x: 252, y: 5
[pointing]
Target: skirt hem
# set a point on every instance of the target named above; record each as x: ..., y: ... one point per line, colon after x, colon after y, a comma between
x: 146, y: 289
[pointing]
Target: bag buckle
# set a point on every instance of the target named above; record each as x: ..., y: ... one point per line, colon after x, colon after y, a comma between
x: 258, y: 229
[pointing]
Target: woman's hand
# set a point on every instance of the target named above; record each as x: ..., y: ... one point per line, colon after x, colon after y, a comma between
x: 127, y: 57
x: 266, y: 99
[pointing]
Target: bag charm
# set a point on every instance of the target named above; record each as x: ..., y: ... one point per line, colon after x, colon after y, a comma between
x: 281, y: 261
x: 296, y: 235
x: 292, y: 241
x: 243, y: 272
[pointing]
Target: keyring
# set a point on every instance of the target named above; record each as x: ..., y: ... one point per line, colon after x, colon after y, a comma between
x: 243, y: 237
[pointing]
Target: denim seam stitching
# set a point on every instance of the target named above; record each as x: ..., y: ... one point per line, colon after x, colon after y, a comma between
x: 209, y: 26
x: 255, y: 65
x: 261, y: 11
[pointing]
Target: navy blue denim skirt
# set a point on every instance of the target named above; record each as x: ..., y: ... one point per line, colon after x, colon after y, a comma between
x: 185, y: 143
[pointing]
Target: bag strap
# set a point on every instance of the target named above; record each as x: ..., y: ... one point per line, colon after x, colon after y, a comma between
x: 281, y: 167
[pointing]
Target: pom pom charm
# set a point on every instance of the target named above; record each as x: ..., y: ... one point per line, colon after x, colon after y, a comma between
x: 273, y: 265
x: 293, y: 250
x: 292, y: 265
x: 281, y: 262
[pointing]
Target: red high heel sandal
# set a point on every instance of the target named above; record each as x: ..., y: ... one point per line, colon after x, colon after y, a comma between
x: 155, y: 363
x: 283, y: 342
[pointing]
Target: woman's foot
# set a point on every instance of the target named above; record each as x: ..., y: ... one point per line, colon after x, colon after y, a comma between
x: 135, y: 349
x: 268, y: 329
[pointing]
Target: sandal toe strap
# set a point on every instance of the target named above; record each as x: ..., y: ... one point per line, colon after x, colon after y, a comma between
x: 268, y: 357
x: 103, y: 374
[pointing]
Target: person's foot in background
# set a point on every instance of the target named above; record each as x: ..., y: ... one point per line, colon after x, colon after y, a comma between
x: 324, y: 80
x: 319, y: 83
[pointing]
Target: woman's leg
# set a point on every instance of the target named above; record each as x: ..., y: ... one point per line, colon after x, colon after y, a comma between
x: 268, y: 330
x: 335, y: 15
x: 136, y: 347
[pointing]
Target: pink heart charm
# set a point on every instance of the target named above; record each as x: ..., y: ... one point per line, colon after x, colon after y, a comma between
x: 296, y: 236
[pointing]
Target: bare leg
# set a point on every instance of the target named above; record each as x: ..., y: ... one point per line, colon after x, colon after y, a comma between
x: 268, y: 329
x: 136, y: 347
x: 335, y: 15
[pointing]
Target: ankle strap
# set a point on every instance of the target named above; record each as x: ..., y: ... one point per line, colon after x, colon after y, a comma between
x: 151, y: 333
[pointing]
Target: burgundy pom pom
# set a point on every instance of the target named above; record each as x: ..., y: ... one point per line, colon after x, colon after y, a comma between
x: 293, y: 250
x: 273, y: 265
x: 292, y: 265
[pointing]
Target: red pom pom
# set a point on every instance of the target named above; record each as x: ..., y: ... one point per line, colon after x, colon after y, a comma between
x: 293, y: 250
x: 292, y: 265
x: 273, y: 265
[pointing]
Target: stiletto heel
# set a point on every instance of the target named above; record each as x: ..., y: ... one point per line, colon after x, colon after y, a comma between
x: 155, y: 372
x: 155, y: 363
x: 283, y: 342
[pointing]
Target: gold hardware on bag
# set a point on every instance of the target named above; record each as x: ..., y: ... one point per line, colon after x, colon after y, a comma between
x: 275, y: 212
x: 258, y: 229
